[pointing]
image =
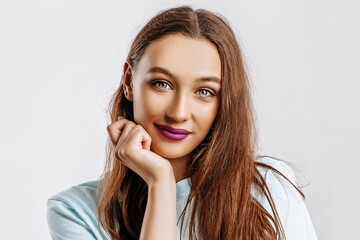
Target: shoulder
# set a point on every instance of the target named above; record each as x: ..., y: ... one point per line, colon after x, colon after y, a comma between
x: 72, y: 213
x: 79, y: 195
x: 288, y: 201
x: 274, y: 181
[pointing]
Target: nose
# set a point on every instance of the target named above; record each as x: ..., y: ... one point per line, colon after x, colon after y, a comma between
x: 179, y: 109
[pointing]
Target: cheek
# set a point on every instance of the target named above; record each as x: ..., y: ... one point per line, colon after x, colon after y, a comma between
x: 205, y: 114
x: 147, y: 105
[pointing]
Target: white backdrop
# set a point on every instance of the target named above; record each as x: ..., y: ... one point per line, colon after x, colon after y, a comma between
x: 60, y: 61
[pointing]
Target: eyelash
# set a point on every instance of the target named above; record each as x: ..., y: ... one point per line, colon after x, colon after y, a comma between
x: 155, y: 83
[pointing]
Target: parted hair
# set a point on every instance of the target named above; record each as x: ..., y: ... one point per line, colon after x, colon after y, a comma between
x: 223, y: 168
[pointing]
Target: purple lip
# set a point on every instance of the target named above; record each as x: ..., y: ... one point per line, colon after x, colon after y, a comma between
x: 170, y: 134
x: 173, y: 130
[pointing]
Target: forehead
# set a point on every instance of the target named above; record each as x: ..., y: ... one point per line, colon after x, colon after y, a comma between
x: 183, y: 56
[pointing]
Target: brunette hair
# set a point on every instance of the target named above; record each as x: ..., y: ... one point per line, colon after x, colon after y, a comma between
x: 219, y: 212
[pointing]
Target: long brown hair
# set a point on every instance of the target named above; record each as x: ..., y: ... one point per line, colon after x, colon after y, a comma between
x: 222, y: 175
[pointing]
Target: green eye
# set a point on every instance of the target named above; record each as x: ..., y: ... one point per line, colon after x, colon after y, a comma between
x: 160, y: 84
x: 206, y: 93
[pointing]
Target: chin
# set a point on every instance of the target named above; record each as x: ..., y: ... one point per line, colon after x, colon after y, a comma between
x: 169, y: 152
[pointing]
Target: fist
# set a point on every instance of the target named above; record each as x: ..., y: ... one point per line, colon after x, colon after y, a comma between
x: 132, y: 147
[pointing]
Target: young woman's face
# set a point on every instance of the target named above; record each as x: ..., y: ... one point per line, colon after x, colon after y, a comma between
x: 176, y: 85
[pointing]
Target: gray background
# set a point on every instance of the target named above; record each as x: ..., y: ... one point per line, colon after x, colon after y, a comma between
x: 60, y: 61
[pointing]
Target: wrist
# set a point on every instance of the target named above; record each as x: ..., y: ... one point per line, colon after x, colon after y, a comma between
x: 164, y: 175
x: 166, y: 179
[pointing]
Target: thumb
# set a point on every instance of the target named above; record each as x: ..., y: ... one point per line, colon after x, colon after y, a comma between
x: 146, y: 141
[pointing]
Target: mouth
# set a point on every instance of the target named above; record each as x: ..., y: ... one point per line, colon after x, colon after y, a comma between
x: 172, y: 133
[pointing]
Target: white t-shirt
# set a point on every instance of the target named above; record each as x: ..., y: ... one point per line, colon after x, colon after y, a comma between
x: 72, y: 214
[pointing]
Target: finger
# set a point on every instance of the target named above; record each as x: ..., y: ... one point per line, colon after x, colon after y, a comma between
x: 146, y: 140
x: 126, y: 130
x: 129, y: 143
x: 140, y: 137
x: 115, y: 130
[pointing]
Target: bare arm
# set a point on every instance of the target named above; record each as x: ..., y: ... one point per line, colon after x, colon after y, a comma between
x: 160, y: 215
x: 132, y: 147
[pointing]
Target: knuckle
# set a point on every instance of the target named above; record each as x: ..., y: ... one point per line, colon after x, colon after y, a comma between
x: 108, y: 128
x: 131, y: 124
x: 138, y: 127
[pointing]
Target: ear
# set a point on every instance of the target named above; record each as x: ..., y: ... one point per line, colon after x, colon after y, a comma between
x: 128, y: 81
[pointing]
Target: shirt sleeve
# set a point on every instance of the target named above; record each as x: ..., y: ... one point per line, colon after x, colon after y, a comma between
x: 72, y: 214
x: 289, y: 204
x: 64, y: 223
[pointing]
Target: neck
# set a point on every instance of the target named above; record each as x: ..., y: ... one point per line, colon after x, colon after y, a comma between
x: 179, y: 168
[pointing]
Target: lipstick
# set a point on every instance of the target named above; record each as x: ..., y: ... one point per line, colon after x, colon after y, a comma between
x: 173, y: 133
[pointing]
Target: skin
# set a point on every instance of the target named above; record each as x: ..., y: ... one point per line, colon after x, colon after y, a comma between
x: 174, y: 97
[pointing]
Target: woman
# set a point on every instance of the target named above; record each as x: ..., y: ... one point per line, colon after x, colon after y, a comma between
x: 181, y: 150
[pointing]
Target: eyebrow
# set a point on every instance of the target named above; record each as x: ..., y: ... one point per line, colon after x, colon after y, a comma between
x: 171, y: 75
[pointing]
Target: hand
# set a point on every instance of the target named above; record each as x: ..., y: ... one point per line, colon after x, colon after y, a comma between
x: 132, y: 147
